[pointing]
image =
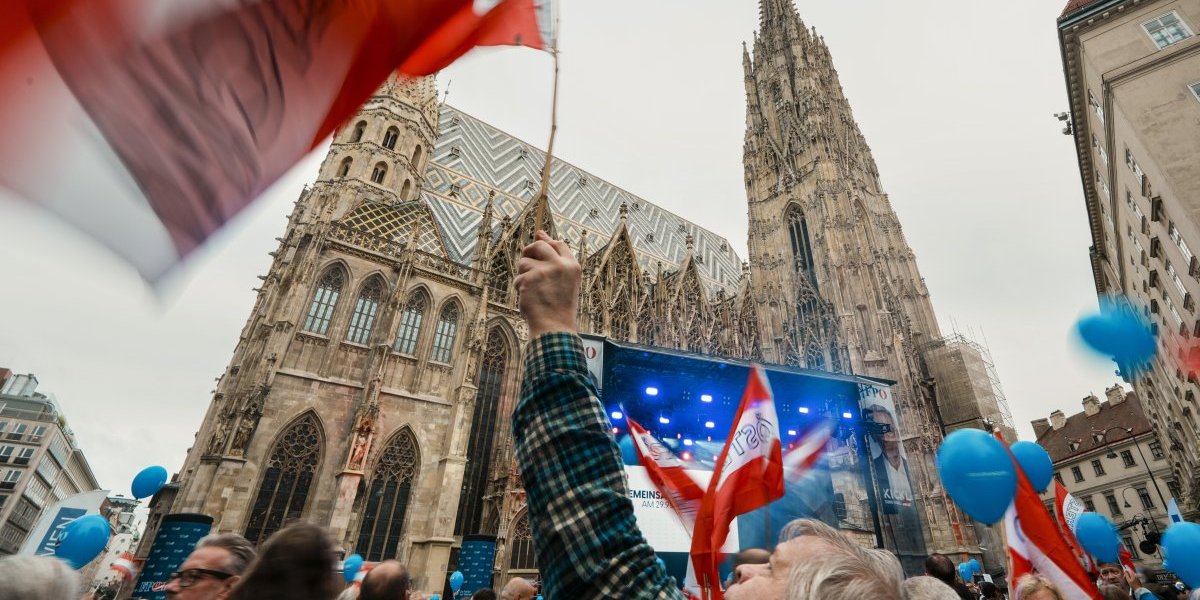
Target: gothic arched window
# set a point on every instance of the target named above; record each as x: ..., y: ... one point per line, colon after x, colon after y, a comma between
x: 406, y: 189
x: 290, y: 469
x: 389, y: 138
x: 359, y: 129
x: 443, y: 337
x: 379, y: 173
x: 801, y: 244
x: 387, y: 499
x: 416, y: 156
x: 324, y: 301
x: 364, y: 312
x: 481, y: 443
x: 344, y: 169
x: 410, y: 324
x: 520, y: 545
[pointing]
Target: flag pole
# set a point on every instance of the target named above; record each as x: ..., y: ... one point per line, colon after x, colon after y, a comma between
x: 545, y: 189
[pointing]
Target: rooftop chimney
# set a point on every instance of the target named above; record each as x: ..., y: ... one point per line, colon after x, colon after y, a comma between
x: 1058, y: 420
x: 1040, y: 426
x: 1115, y: 394
x: 1091, y: 405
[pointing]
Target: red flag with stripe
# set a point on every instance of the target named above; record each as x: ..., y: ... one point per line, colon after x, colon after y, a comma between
x: 748, y: 476
x: 668, y: 474
x: 150, y: 124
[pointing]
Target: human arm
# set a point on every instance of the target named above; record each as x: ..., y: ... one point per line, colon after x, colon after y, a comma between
x: 584, y: 531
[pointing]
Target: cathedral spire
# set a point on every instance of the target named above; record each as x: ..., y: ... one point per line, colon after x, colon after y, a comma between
x: 772, y: 11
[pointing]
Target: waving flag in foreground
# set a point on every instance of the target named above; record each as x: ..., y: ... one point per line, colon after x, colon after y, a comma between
x: 748, y: 476
x: 1068, y: 508
x: 1035, y: 545
x: 668, y: 474
x: 125, y: 566
x: 149, y: 124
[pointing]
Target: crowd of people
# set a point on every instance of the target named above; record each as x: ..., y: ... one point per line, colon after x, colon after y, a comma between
x: 585, y: 535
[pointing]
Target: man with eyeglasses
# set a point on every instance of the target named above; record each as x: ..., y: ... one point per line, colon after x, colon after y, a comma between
x: 212, y: 569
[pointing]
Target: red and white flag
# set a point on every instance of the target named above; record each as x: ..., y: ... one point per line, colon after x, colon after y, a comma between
x: 126, y: 566
x: 808, y: 448
x: 1035, y: 545
x: 668, y: 474
x: 748, y: 476
x: 149, y: 124
x: 1068, y: 509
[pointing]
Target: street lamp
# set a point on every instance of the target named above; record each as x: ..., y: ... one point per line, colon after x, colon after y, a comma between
x: 1113, y: 454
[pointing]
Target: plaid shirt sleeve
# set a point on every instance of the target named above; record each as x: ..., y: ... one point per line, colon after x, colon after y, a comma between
x: 587, y: 541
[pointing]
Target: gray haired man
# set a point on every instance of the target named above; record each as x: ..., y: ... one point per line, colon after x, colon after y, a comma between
x: 212, y: 569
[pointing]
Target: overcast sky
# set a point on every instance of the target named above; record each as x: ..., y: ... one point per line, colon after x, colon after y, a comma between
x: 955, y: 98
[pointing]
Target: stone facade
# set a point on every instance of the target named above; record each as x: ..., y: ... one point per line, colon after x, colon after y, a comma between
x: 1133, y: 78
x: 371, y: 387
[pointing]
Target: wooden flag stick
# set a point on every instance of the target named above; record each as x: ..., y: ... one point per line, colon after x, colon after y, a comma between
x: 545, y: 189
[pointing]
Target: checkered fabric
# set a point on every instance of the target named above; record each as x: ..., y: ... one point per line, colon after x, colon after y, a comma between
x: 587, y: 540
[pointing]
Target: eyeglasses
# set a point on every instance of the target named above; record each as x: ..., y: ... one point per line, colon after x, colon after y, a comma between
x: 188, y: 578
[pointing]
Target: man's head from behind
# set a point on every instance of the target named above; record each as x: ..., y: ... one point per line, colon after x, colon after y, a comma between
x: 814, y: 560
x: 518, y: 589
x: 928, y: 588
x: 388, y: 580
x: 212, y: 569
x: 940, y: 567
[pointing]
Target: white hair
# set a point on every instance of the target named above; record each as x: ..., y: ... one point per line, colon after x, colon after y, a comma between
x: 846, y: 571
x: 928, y: 588
x: 37, y: 578
x: 350, y: 593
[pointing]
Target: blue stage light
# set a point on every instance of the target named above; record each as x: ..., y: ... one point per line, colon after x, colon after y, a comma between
x: 706, y: 397
x: 651, y: 391
x: 847, y: 415
x: 664, y: 420
x: 617, y: 416
x: 687, y: 442
x: 804, y: 410
x: 791, y: 432
x: 709, y: 424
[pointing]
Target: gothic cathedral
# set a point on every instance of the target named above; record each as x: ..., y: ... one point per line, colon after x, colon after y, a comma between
x: 371, y: 386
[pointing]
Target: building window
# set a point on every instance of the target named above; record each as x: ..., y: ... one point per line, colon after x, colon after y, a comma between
x: 1147, y: 501
x: 1133, y: 166
x: 344, y: 169
x: 23, y: 456
x: 324, y: 301
x: 1098, y: 467
x: 410, y: 324
x: 1156, y: 448
x: 1167, y: 30
x: 365, y: 310
x: 37, y: 433
x: 482, y: 441
x: 416, y: 156
x: 359, y: 128
x: 3, y: 426
x: 1177, y: 237
x: 522, y: 556
x: 1058, y: 476
x: 1127, y: 456
x: 1173, y: 487
x: 1096, y: 106
x: 289, y: 472
x: 1075, y: 472
x: 5, y: 453
x: 1089, y: 504
x: 1113, y: 508
x: 389, y: 138
x: 387, y: 499
x: 801, y: 244
x: 10, y: 479
x: 1133, y: 551
x: 18, y: 431
x: 406, y: 189
x: 1195, y: 87
x: 1100, y: 149
x: 443, y: 337
x: 379, y: 173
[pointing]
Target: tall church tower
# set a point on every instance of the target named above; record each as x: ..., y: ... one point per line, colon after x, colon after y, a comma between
x: 836, y: 284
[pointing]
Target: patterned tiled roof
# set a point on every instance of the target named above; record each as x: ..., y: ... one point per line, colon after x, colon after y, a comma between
x: 1074, y: 5
x: 472, y: 158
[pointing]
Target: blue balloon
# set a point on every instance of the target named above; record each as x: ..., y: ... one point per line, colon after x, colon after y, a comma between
x: 148, y: 481
x: 1120, y: 332
x: 978, y: 474
x: 456, y: 581
x: 1035, y: 462
x: 964, y: 571
x: 351, y: 567
x: 82, y: 540
x: 975, y: 566
x: 1098, y: 536
x: 1181, y: 549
